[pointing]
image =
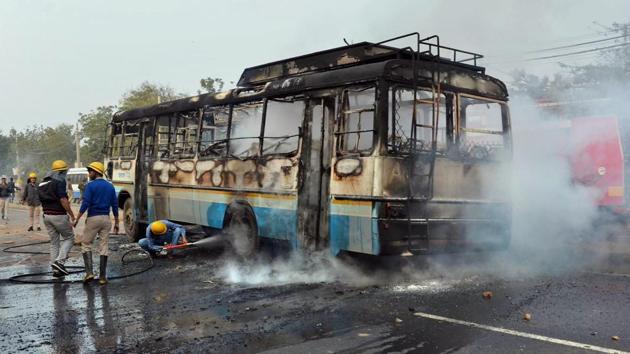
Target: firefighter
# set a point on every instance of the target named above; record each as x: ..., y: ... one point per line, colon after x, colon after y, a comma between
x: 160, y: 233
x: 30, y: 197
x: 58, y: 216
x: 98, y: 199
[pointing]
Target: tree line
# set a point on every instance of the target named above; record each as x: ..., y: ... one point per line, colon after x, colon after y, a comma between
x: 37, y: 146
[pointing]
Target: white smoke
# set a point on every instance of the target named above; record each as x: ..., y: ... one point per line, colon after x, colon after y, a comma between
x: 298, y: 268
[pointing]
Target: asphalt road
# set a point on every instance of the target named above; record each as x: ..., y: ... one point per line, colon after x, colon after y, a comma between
x: 199, y: 301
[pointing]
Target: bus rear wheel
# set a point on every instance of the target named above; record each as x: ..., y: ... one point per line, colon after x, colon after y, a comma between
x: 242, y: 233
x: 132, y: 226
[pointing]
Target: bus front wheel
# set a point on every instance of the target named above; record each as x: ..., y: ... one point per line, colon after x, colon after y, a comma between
x: 242, y: 232
x: 132, y: 226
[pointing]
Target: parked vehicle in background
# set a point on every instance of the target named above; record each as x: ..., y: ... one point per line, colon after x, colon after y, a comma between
x: 74, y: 178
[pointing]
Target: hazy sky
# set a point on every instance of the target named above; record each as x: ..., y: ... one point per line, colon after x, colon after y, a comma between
x: 63, y: 57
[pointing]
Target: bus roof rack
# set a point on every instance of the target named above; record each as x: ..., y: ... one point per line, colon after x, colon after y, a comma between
x: 423, y: 49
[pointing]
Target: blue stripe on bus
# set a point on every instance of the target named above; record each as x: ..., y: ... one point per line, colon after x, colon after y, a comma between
x: 354, y: 233
x: 215, y: 214
x: 277, y: 223
x: 349, y: 233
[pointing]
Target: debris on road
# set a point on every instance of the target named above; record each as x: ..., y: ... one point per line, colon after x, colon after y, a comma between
x: 487, y: 295
x: 614, y: 337
x: 527, y: 317
x: 398, y: 320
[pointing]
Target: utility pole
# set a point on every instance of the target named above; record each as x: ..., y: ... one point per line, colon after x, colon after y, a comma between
x: 16, y: 170
x: 77, y: 162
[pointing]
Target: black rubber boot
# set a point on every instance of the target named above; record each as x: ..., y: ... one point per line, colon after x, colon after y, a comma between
x: 87, y: 261
x: 102, y: 275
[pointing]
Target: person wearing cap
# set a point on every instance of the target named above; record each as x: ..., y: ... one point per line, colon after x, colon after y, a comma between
x: 30, y: 197
x: 4, y: 197
x: 160, y: 233
x: 58, y: 216
x: 99, y: 197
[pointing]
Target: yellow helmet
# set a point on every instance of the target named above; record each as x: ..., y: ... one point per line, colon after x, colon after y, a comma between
x: 97, y: 166
x: 59, y: 165
x: 158, y: 228
x: 32, y: 175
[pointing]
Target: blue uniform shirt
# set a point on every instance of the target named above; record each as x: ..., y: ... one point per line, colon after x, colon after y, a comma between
x: 99, y: 196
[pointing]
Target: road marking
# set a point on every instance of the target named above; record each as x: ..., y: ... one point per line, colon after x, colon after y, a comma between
x: 610, y: 274
x: 567, y: 343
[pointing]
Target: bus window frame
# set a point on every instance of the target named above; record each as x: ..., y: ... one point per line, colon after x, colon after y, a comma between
x: 123, y: 145
x: 225, y: 141
x: 110, y: 149
x: 228, y: 152
x: 156, y: 131
x: 341, y: 109
x: 506, y: 132
x: 178, y: 117
x: 450, y: 105
x: 298, y: 135
x: 149, y: 149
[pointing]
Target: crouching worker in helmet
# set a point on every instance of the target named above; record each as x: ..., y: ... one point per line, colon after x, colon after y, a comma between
x: 161, y: 233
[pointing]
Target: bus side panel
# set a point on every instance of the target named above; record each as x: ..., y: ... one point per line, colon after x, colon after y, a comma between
x: 123, y: 171
x: 352, y: 227
x: 275, y: 214
x: 352, y: 176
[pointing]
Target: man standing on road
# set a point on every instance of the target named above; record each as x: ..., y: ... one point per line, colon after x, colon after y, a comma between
x: 4, y: 197
x: 12, y: 189
x: 98, y: 198
x: 31, y: 198
x: 58, y: 216
x: 160, y: 233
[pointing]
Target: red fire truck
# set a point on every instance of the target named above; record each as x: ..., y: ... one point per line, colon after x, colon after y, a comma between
x: 597, y: 159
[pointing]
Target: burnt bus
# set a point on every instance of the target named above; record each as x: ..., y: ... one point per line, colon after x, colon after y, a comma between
x: 365, y: 148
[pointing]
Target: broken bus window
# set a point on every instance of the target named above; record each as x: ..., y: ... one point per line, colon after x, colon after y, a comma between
x: 283, y: 119
x: 355, y: 129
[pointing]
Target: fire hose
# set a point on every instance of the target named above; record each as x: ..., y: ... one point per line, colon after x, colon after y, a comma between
x: 25, y: 278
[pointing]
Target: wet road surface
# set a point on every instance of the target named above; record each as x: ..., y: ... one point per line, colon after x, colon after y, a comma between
x: 201, y: 302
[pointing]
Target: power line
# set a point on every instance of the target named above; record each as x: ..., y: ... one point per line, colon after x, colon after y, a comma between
x: 574, y: 45
x: 579, y: 52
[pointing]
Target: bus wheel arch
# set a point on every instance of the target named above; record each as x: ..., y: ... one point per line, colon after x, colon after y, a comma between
x: 241, y: 229
x: 133, y: 228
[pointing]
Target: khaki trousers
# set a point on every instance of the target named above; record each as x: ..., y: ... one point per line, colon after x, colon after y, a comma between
x: 96, y: 225
x: 33, y: 215
x: 4, y: 204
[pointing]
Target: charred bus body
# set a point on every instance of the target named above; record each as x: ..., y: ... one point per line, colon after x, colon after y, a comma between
x: 365, y: 148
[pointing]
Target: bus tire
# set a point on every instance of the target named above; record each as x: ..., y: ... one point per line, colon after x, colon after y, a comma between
x: 241, y: 230
x: 132, y: 226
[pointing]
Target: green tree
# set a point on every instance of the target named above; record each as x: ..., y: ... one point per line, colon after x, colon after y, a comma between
x: 7, y: 154
x: 211, y: 85
x: 39, y: 146
x: 147, y: 94
x: 94, y: 132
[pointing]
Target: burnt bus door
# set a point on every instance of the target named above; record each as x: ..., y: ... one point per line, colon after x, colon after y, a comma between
x: 314, y: 174
x: 143, y: 153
